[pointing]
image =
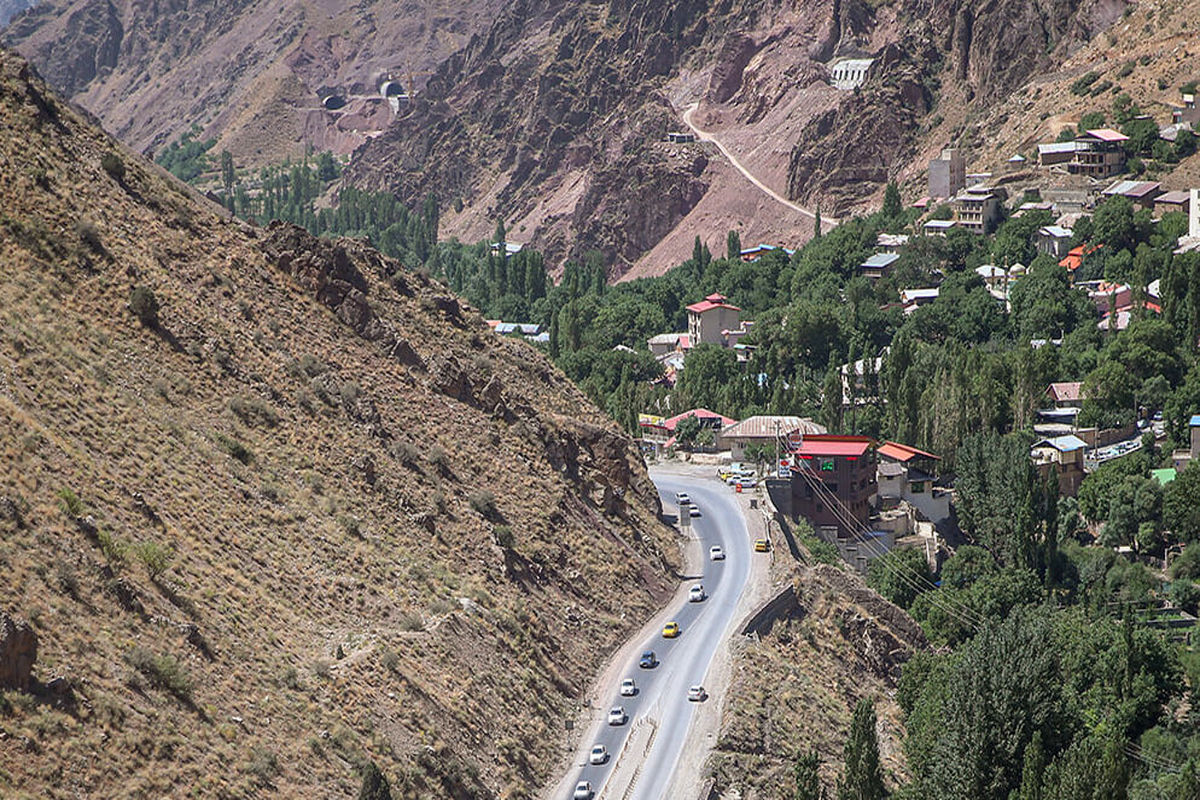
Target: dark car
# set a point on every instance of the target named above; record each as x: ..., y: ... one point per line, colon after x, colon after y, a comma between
x: 648, y: 660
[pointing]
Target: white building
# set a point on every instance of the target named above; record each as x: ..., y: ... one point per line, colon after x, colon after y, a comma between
x: 850, y: 73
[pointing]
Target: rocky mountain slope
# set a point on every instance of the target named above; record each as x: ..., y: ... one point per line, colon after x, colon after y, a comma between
x: 10, y: 8
x: 275, y: 508
x: 828, y: 642
x: 252, y: 73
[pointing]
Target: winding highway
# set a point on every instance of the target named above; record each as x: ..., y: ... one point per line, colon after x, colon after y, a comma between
x: 644, y: 753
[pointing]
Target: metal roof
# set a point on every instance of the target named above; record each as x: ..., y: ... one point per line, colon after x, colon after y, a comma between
x: 1064, y: 444
x: 1105, y: 135
x: 1057, y: 147
x: 830, y: 445
x: 1194, y: 422
x: 764, y: 426
x: 880, y: 260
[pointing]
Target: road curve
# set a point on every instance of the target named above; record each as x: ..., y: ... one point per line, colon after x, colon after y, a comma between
x: 705, y: 136
x: 646, y: 750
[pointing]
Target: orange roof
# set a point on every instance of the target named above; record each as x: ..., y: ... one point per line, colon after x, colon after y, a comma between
x: 902, y: 452
x: 830, y: 445
x: 1074, y: 257
x: 709, y: 303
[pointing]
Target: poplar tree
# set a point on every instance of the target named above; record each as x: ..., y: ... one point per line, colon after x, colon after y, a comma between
x: 863, y: 779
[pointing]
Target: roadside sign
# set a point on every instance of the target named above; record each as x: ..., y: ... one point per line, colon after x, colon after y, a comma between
x: 785, y: 471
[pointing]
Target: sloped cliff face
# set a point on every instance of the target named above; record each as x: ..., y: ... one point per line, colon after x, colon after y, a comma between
x: 273, y: 507
x: 952, y: 58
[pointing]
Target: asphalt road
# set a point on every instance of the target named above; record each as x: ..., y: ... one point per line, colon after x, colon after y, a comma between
x: 661, y: 701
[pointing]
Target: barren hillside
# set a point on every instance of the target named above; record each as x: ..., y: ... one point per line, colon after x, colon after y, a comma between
x: 248, y: 72
x: 275, y: 507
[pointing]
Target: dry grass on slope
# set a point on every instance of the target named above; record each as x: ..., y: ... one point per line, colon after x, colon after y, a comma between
x: 798, y: 682
x: 317, y: 514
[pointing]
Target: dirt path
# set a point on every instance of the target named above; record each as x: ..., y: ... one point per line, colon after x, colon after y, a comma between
x: 705, y: 136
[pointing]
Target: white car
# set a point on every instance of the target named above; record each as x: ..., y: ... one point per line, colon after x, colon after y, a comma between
x: 682, y: 498
x: 695, y: 512
x: 696, y: 594
x: 616, y: 716
x: 583, y: 791
x: 599, y: 754
x: 696, y: 694
x: 628, y: 688
x: 716, y: 553
x: 745, y: 482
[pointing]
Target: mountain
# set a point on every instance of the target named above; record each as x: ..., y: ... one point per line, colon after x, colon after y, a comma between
x: 10, y: 8
x: 553, y: 115
x: 276, y: 508
x: 251, y: 73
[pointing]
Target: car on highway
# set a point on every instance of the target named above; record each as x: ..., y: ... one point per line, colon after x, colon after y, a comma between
x: 762, y: 545
x: 697, y: 694
x: 696, y: 594
x: 648, y: 660
x: 682, y: 498
x: 695, y: 511
x: 716, y: 553
x: 583, y: 791
x: 671, y: 630
x: 628, y: 688
x: 616, y: 716
x: 598, y: 755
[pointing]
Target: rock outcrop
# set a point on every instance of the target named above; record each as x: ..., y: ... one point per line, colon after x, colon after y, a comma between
x: 18, y: 652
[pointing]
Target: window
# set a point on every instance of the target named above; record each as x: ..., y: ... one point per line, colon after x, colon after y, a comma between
x: 918, y: 487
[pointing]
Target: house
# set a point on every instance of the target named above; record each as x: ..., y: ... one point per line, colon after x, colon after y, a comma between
x: 1099, y: 153
x: 859, y: 369
x: 1073, y: 260
x: 1054, y: 240
x: 661, y: 432
x: 668, y: 342
x: 878, y: 265
x: 1055, y: 153
x: 978, y: 209
x: 768, y: 430
x: 1172, y: 201
x: 1186, y: 114
x: 510, y: 248
x: 751, y: 254
x: 1061, y: 456
x: 1107, y: 295
x: 1141, y: 193
x: 947, y: 174
x: 1067, y: 200
x: 1066, y: 395
x: 906, y: 473
x: 675, y: 137
x: 850, y: 73
x: 938, y: 227
x: 833, y: 483
x: 709, y: 318
x: 997, y: 280
x: 1033, y: 205
x: 1181, y: 458
x: 891, y: 242
x: 912, y: 299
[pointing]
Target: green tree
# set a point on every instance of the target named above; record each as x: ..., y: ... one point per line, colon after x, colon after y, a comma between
x: 900, y: 575
x: 892, y: 206
x: 228, y: 173
x: 733, y: 246
x: 327, y: 168
x: 808, y: 779
x: 1181, y: 505
x: 687, y: 431
x: 374, y: 784
x: 863, y: 778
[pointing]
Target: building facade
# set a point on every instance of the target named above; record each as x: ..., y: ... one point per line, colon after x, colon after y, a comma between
x: 947, y: 173
x: 708, y: 319
x: 833, y: 483
x: 1099, y: 153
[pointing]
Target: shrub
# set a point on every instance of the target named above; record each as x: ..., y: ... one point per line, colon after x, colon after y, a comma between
x: 155, y: 558
x: 389, y: 659
x: 89, y: 234
x: 1101, y: 87
x: 113, y: 549
x: 439, y: 458
x: 1081, y: 85
x: 144, y: 305
x: 374, y: 784
x: 504, y: 537
x: 350, y: 525
x: 254, y: 411
x: 484, y: 502
x: 1126, y: 69
x: 234, y: 448
x: 163, y: 672
x: 113, y: 165
x: 70, y: 503
x: 263, y: 766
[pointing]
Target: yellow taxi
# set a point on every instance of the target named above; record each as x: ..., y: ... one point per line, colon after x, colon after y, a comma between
x: 670, y: 630
x: 761, y: 545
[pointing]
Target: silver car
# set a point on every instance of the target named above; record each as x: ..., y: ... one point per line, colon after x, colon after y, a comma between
x: 598, y: 755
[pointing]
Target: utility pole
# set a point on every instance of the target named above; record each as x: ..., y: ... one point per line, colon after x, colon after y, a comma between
x: 776, y: 465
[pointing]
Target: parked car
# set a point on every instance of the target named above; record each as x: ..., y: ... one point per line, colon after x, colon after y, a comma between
x: 648, y: 660
x: 696, y: 594
x: 716, y: 553
x: 583, y: 791
x: 628, y: 687
x: 671, y: 630
x: 696, y: 694
x: 762, y: 545
x: 746, y: 482
x: 616, y: 716
x: 599, y: 754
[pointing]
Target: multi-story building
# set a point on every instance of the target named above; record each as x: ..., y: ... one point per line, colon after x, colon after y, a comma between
x: 710, y: 318
x: 1099, y: 153
x: 947, y: 174
x: 833, y: 483
x: 978, y: 209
